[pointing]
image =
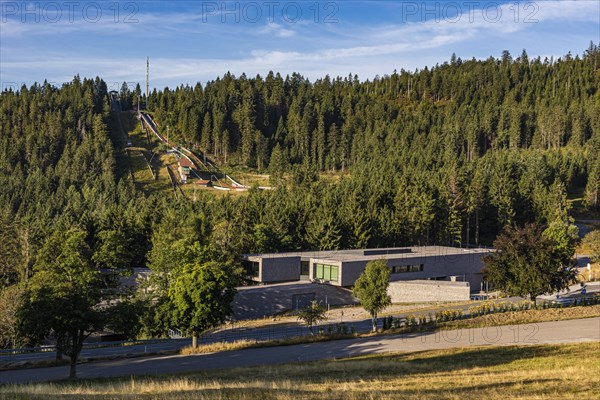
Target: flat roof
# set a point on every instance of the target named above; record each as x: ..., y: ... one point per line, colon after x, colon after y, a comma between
x: 375, y: 254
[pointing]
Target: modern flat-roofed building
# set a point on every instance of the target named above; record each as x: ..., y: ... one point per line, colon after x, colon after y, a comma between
x: 343, y: 267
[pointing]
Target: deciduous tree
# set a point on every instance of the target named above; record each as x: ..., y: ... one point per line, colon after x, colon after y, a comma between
x: 528, y: 263
x: 64, y: 294
x: 371, y: 289
x: 202, y: 295
x: 312, y: 314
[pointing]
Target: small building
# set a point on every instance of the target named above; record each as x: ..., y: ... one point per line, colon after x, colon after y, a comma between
x: 184, y: 168
x: 343, y: 267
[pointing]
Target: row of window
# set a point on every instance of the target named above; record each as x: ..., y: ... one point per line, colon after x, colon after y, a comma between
x: 326, y: 272
x: 406, y: 268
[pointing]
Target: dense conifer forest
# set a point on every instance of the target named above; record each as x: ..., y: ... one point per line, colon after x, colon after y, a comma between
x: 446, y: 155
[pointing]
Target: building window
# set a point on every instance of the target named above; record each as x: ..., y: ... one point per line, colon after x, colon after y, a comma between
x: 319, y: 271
x: 334, y: 273
x: 396, y: 269
x: 437, y: 278
x: 416, y: 268
x: 252, y: 268
x: 326, y: 272
x: 304, y: 267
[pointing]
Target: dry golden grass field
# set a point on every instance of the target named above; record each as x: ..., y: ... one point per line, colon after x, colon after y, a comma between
x: 490, y: 373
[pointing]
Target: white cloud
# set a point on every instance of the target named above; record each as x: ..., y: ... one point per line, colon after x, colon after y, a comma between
x: 108, y: 22
x: 342, y: 48
x: 278, y: 30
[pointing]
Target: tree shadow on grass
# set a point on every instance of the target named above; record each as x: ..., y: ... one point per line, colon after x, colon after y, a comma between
x: 415, y: 370
x: 430, y: 361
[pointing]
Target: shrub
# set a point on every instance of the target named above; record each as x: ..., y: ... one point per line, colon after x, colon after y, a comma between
x: 449, y: 315
x: 341, y: 329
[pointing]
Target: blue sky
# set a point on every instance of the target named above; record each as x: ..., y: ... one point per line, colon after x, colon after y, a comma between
x: 196, y: 41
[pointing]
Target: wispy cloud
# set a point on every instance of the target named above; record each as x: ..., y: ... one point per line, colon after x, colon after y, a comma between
x: 278, y: 30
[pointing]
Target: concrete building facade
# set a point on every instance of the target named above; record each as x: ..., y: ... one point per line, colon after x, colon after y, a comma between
x: 273, y: 268
x: 343, y: 267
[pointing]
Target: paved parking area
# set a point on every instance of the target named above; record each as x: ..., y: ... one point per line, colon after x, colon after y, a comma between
x: 255, y: 302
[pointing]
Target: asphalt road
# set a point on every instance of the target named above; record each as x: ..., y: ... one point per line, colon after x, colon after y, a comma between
x: 573, y: 331
x: 165, y: 345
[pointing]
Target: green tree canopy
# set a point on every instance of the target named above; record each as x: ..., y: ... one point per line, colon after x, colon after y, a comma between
x: 371, y: 288
x: 312, y: 314
x: 202, y: 295
x: 527, y: 262
x: 64, y: 294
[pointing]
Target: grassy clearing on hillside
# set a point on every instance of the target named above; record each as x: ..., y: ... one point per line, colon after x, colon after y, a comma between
x: 141, y: 172
x: 135, y: 159
x: 575, y: 200
x: 491, y: 373
x: 250, y: 178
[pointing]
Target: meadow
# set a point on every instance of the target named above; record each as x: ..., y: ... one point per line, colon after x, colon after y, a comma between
x: 516, y: 372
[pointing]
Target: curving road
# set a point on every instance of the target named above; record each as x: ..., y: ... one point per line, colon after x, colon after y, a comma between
x: 573, y: 331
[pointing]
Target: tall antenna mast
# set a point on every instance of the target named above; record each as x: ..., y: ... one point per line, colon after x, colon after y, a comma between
x: 147, y: 80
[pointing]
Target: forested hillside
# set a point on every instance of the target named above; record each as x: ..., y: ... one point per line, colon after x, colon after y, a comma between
x: 457, y: 111
x: 57, y: 169
x: 447, y: 155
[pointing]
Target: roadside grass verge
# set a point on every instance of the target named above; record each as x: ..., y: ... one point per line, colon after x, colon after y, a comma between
x: 219, y: 346
x: 493, y: 373
x: 250, y: 344
x: 524, y: 317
